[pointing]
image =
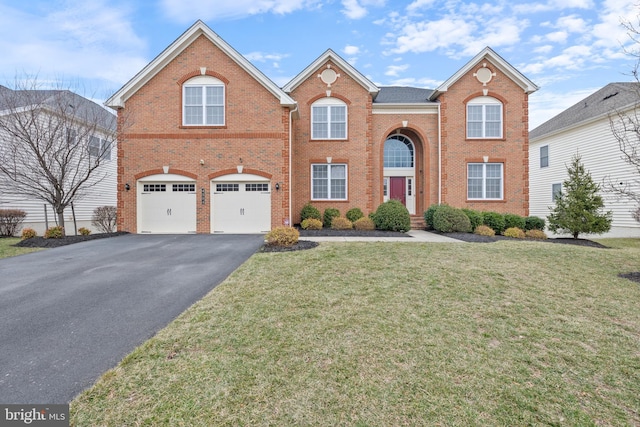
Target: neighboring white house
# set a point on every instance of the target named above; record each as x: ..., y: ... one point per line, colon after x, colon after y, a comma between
x: 100, y: 140
x: 585, y: 129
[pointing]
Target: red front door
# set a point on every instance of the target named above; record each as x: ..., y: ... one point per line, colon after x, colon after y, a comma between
x: 398, y: 189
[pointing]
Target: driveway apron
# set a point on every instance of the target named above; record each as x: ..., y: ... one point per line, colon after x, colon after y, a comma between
x: 69, y: 314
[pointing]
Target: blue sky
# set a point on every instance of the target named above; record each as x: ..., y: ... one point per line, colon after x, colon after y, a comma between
x: 570, y: 48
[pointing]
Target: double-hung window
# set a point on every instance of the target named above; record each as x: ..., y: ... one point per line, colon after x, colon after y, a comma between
x: 203, y: 100
x: 484, y: 181
x: 99, y: 148
x: 329, y: 119
x: 484, y: 118
x: 544, y: 156
x: 329, y: 182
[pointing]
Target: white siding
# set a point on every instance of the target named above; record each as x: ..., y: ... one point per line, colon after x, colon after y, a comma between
x: 601, y: 157
x: 102, y: 194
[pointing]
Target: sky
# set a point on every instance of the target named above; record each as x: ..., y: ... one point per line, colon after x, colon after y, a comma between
x: 569, y: 48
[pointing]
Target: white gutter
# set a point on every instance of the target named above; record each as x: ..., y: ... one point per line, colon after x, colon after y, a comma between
x: 439, y: 156
x: 290, y: 161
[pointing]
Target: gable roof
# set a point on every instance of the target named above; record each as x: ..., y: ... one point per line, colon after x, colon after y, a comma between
x: 612, y: 97
x: 82, y: 109
x: 199, y: 28
x: 344, y: 65
x: 488, y: 54
x: 403, y: 95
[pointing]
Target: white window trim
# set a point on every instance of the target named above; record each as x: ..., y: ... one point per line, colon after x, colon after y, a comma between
x: 547, y: 157
x: 103, y: 147
x: 203, y: 82
x: 484, y: 101
x: 330, y: 103
x: 554, y: 194
x: 346, y: 180
x: 484, y: 181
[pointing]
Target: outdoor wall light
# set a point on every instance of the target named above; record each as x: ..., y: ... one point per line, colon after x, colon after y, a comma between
x: 127, y: 186
x: 277, y: 186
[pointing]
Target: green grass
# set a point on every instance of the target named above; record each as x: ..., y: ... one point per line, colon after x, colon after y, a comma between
x: 362, y: 334
x: 8, y: 250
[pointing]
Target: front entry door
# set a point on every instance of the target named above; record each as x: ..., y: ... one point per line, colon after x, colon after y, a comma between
x: 398, y: 189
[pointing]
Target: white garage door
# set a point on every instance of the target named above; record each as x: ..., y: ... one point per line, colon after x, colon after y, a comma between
x: 166, y: 207
x: 241, y: 207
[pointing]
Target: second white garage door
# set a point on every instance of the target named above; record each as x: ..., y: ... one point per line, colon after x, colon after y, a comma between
x: 240, y: 207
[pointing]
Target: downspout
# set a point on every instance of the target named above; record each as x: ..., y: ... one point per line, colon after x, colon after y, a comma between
x: 291, y: 112
x: 439, y: 155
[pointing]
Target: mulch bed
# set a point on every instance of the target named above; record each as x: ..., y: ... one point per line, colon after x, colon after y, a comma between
x: 41, y: 242
x: 634, y: 276
x: 476, y: 238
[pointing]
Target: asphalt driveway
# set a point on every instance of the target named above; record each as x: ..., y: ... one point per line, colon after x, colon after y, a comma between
x: 69, y: 314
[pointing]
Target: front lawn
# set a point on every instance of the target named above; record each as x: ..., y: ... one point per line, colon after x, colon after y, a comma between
x: 391, y: 334
x: 8, y: 250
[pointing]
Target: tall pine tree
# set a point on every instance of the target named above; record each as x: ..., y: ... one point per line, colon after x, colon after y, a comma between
x: 578, y: 207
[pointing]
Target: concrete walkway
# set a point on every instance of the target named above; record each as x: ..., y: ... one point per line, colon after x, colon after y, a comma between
x: 417, y: 236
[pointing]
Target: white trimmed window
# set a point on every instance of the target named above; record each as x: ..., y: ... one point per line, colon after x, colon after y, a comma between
x: 329, y: 182
x: 99, y: 148
x: 544, y: 156
x: 484, y: 118
x: 203, y: 102
x: 556, y: 191
x: 329, y: 119
x: 484, y: 181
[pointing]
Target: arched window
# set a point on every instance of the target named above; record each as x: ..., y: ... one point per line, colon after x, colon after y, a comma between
x: 203, y: 102
x: 484, y: 118
x: 398, y: 152
x: 329, y: 119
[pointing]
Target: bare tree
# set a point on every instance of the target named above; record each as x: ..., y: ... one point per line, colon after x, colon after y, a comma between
x: 53, y: 144
x: 625, y: 125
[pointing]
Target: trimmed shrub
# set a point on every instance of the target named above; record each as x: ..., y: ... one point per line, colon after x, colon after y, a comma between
x: 282, y: 236
x: 428, y: 216
x: 515, y: 232
x: 311, y: 224
x: 354, y: 214
x: 104, y: 218
x: 535, y: 234
x: 10, y: 221
x: 484, y: 230
x: 341, y: 223
x: 448, y: 219
x: 475, y: 217
x: 56, y: 232
x: 364, y: 223
x: 393, y: 216
x: 28, y: 233
x: 534, y: 223
x: 84, y: 231
x: 310, y: 211
x: 512, y: 220
x: 329, y: 214
x: 494, y: 220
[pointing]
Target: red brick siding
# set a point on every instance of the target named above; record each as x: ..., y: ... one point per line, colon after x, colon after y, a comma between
x: 152, y: 136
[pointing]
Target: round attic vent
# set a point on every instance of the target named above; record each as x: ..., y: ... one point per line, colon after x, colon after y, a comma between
x: 484, y: 75
x: 329, y: 76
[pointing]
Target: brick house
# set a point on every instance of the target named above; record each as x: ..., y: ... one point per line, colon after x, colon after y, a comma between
x: 208, y: 144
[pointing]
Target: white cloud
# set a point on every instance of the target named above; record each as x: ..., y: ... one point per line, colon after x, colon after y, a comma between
x: 357, y: 9
x: 217, y: 9
x: 91, y: 39
x: 420, y: 4
x: 545, y: 104
x: 553, y: 5
x: 395, y: 70
x: 572, y: 58
x: 351, y: 50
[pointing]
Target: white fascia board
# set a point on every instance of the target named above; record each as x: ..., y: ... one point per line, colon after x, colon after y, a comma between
x: 118, y: 99
x: 407, y: 108
x: 490, y: 55
x: 344, y: 65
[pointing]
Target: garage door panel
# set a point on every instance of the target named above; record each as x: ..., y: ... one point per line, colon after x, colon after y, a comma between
x: 168, y: 208
x: 241, y: 207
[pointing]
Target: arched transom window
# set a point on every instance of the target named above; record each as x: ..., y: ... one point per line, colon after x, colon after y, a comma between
x: 484, y: 118
x: 398, y: 152
x: 203, y: 102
